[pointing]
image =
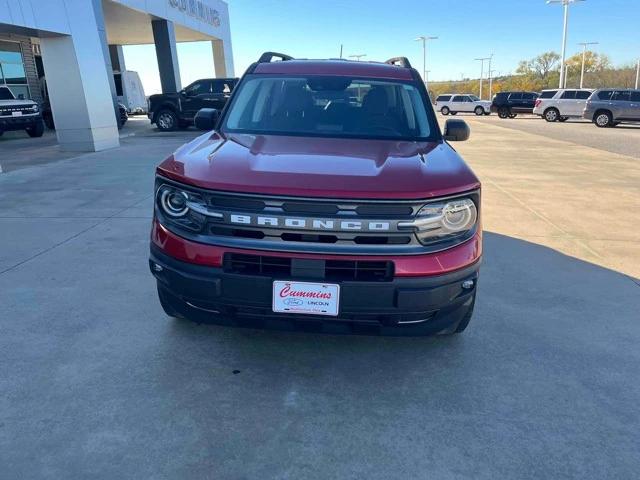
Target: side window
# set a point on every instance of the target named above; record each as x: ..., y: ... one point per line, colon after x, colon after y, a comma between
x: 529, y: 96
x: 515, y: 96
x: 605, y: 95
x: 222, y: 86
x: 622, y: 96
x: 635, y: 96
x: 548, y: 94
x: 198, y: 88
x: 458, y: 98
x: 582, y: 95
x: 568, y: 95
x: 443, y: 98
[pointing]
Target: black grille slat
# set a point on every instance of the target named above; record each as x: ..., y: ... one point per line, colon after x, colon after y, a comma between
x: 335, y: 270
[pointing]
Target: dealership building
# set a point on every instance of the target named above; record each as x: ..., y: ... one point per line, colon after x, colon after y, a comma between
x: 67, y: 51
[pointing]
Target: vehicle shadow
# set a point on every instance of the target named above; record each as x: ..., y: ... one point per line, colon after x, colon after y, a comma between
x: 524, y: 290
x: 547, y: 361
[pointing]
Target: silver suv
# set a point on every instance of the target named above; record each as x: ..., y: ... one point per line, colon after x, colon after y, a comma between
x: 561, y: 104
x: 608, y: 107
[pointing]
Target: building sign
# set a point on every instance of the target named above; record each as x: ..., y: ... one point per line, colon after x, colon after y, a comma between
x: 198, y: 9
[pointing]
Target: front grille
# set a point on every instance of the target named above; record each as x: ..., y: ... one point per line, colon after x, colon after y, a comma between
x: 334, y: 270
x: 251, y: 207
x: 8, y: 111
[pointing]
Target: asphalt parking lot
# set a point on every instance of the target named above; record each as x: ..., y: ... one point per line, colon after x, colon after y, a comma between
x: 98, y: 383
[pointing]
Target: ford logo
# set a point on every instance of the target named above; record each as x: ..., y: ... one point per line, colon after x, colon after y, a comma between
x: 293, y: 302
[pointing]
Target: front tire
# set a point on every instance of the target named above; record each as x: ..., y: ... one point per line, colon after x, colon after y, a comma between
x: 551, y: 115
x: 464, y: 323
x: 37, y: 130
x: 479, y: 111
x: 167, y: 121
x: 603, y: 119
x: 445, y: 111
x: 503, y: 112
x: 166, y: 301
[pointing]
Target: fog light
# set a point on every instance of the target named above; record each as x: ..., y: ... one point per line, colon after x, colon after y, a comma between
x: 467, y: 284
x: 157, y: 268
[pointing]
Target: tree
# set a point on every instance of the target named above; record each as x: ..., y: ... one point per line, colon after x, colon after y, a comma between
x: 593, y: 62
x: 539, y: 67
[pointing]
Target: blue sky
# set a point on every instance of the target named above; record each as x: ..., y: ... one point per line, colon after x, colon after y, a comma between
x: 510, y: 29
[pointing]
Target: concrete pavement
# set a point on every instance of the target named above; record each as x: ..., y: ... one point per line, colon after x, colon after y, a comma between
x: 98, y: 383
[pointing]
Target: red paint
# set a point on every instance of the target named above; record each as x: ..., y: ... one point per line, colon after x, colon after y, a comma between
x: 320, y: 167
x: 405, y: 266
x: 335, y: 67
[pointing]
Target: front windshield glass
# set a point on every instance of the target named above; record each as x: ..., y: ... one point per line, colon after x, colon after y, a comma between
x: 328, y: 107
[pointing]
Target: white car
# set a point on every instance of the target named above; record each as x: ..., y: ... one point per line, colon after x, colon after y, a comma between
x: 561, y: 104
x: 453, y: 103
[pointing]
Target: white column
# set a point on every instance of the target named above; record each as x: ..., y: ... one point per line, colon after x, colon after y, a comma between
x: 222, y: 58
x: 78, y: 81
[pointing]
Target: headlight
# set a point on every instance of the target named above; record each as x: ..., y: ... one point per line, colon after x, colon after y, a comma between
x: 34, y: 108
x: 440, y: 221
x: 174, y: 202
x: 182, y: 208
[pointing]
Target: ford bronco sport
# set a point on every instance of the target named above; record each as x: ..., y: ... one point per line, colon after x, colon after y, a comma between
x: 325, y: 198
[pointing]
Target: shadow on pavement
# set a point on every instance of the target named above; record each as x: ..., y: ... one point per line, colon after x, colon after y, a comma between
x: 100, y: 382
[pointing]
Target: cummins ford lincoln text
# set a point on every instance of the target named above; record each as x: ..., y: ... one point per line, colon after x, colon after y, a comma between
x: 325, y: 198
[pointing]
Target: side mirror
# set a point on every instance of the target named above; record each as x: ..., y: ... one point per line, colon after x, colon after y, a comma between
x: 206, y: 119
x: 456, y: 130
x: 183, y: 93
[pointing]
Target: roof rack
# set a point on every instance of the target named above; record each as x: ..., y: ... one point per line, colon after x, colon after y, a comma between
x: 267, y: 57
x: 399, y: 61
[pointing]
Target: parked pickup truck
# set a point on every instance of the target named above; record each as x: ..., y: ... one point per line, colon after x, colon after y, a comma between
x: 171, y: 111
x: 325, y: 198
x: 19, y: 114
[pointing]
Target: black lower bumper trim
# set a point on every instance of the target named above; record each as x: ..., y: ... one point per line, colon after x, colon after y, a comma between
x: 419, y: 305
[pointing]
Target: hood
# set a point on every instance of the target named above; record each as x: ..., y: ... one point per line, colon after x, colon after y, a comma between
x: 17, y: 103
x: 320, y: 167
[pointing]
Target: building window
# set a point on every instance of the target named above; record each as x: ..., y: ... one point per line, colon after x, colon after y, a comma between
x: 12, y: 71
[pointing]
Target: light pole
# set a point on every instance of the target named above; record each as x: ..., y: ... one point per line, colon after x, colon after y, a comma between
x: 491, y: 72
x: 481, y: 60
x: 358, y: 57
x: 426, y: 78
x: 584, y: 53
x: 424, y: 39
x: 565, y: 4
x: 637, y: 74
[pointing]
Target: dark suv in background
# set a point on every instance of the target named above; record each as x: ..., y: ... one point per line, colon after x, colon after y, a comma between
x: 608, y: 107
x: 170, y: 111
x: 509, y: 104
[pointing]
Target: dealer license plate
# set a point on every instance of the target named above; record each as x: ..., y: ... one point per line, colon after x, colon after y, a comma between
x: 306, y: 298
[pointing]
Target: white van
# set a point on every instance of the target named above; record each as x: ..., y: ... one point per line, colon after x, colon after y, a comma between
x: 130, y: 91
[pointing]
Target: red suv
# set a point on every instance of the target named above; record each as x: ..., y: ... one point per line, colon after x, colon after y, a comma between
x: 325, y: 198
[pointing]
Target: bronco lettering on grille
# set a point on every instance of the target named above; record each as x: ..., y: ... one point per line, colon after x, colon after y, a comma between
x: 311, y: 223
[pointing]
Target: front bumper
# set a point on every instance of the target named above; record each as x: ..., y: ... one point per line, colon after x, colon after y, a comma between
x: 8, y: 124
x: 401, y: 306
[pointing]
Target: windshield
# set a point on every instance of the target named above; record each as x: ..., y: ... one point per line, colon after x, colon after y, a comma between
x: 329, y: 107
x: 5, y: 94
